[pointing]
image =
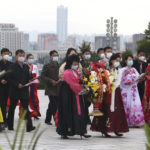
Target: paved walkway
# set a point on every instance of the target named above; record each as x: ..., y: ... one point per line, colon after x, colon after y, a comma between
x: 134, y: 140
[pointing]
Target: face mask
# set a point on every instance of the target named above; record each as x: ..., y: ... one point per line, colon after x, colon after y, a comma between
x: 116, y: 64
x: 31, y: 61
x: 109, y: 55
x: 130, y: 63
x: 74, y: 67
x: 21, y: 59
x: 10, y: 58
x: 142, y: 58
x: 102, y: 56
x: 6, y: 57
x: 87, y: 57
x: 55, y: 59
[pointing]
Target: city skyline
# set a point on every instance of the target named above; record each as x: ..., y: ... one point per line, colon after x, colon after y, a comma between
x: 85, y: 17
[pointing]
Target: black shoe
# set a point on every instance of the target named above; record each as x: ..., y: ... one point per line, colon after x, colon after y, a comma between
x: 10, y: 129
x: 118, y: 134
x: 36, y: 118
x: 48, y: 123
x: 64, y: 137
x: 86, y: 136
x: 106, y: 135
x: 30, y: 129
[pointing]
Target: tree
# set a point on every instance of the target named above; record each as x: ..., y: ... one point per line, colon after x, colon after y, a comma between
x: 85, y: 46
x: 145, y: 43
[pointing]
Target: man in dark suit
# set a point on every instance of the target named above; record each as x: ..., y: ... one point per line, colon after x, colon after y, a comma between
x: 140, y: 65
x: 19, y: 76
x: 50, y: 75
x: 4, y: 85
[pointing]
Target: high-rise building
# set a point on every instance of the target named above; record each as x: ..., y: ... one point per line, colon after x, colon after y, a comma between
x: 137, y: 37
x: 100, y: 42
x: 11, y: 37
x: 62, y: 23
x: 26, y: 42
x: 132, y: 44
x: 47, y: 41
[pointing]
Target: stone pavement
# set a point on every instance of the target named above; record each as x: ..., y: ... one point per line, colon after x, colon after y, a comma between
x: 134, y: 140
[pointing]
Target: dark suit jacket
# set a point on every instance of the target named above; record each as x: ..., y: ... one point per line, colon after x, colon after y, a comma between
x: 141, y: 85
x: 137, y: 65
x: 50, y: 72
x: 19, y: 75
x: 3, y: 67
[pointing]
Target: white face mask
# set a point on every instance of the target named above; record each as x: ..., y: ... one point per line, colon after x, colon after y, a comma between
x: 102, y: 56
x: 109, y: 55
x: 21, y: 59
x: 6, y: 57
x: 116, y: 64
x: 142, y: 58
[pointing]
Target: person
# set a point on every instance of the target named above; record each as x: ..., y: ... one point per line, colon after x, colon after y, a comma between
x: 50, y: 75
x: 10, y: 59
x: 100, y: 122
x: 71, y: 115
x: 86, y: 58
x: 117, y: 121
x: 146, y: 97
x: 18, y: 77
x: 70, y: 52
x: 130, y: 94
x: 108, y: 54
x: 34, y: 100
x: 140, y: 65
x: 1, y: 121
x: 4, y: 85
x: 101, y: 54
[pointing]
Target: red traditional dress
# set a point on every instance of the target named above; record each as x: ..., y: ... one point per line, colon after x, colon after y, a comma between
x: 34, y: 101
x: 146, y: 98
x: 117, y: 121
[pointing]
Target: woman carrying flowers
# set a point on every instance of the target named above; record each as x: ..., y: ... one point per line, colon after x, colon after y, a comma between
x: 130, y: 94
x: 117, y: 121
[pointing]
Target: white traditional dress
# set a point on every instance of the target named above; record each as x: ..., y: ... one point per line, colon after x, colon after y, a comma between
x: 131, y: 98
x: 34, y: 101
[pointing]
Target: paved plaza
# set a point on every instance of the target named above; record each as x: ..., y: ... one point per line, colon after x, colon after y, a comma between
x: 50, y: 140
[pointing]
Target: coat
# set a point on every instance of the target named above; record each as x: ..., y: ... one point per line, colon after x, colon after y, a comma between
x: 19, y: 75
x: 50, y: 72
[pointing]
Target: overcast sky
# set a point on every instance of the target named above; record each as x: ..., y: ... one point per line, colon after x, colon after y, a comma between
x: 84, y: 16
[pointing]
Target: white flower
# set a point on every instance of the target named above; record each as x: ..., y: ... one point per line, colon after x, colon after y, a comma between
x: 104, y: 87
x: 93, y: 80
x: 93, y: 73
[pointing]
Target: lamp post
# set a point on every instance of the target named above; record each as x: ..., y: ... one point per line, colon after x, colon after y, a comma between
x: 111, y: 33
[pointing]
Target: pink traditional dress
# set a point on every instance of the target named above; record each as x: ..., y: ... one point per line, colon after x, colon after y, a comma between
x: 131, y: 98
x: 71, y: 111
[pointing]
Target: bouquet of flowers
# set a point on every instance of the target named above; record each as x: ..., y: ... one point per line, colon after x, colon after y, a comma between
x: 94, y: 81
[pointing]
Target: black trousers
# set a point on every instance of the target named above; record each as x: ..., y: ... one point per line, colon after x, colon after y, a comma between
x: 52, y: 108
x: 4, y: 93
x: 11, y: 112
x: 87, y: 105
x: 141, y: 89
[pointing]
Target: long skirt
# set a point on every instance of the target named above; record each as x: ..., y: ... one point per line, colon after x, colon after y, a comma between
x: 99, y: 124
x: 34, y: 101
x: 117, y: 121
x: 69, y: 121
